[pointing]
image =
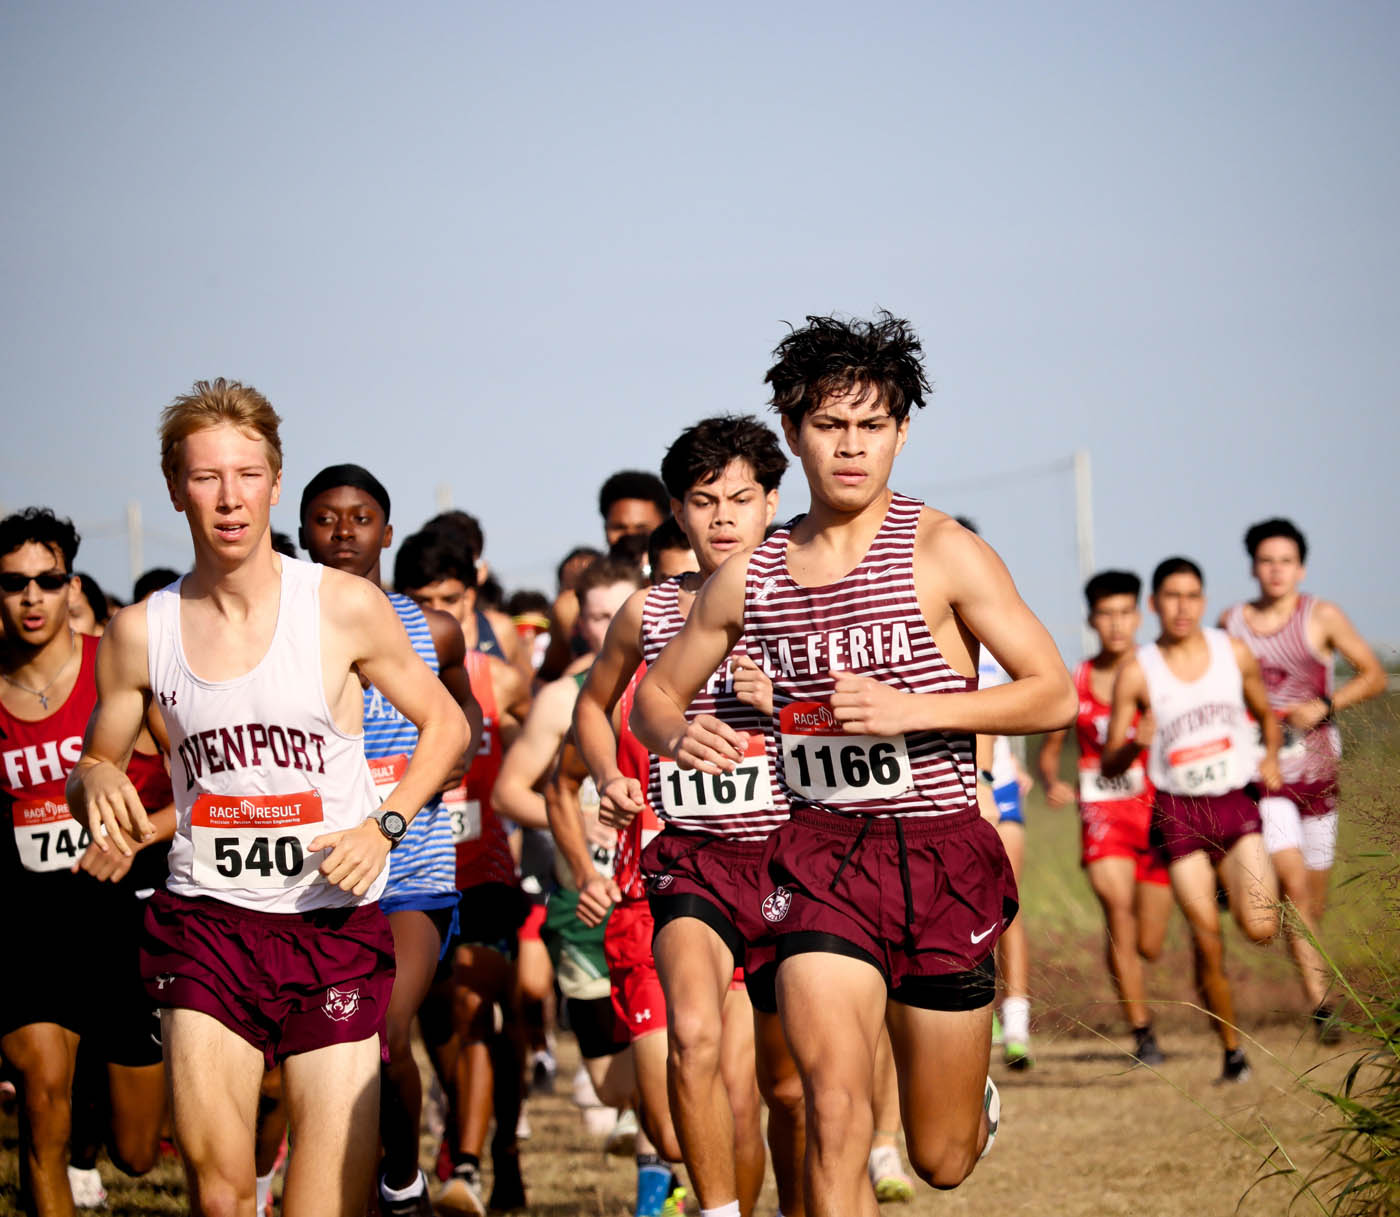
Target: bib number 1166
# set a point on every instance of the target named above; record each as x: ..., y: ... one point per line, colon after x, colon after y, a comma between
x: 823, y: 764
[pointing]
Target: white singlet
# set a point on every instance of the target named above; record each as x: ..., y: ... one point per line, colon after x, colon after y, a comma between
x: 1203, y: 744
x: 258, y: 765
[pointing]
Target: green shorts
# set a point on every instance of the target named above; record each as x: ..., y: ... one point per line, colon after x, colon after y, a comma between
x: 575, y: 949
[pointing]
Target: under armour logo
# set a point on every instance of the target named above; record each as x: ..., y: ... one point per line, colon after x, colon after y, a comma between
x: 642, y: 1016
x: 167, y: 699
x: 164, y: 979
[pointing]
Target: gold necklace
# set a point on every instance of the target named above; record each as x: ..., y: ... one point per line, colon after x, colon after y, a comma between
x: 42, y: 694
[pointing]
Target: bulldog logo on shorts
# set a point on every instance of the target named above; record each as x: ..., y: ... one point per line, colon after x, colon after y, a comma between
x: 776, y: 906
x: 662, y: 882
x: 341, y: 1004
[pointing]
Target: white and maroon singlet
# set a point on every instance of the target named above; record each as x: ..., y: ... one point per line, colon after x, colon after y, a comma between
x: 745, y: 805
x: 868, y: 623
x: 259, y: 766
x: 1294, y: 673
x: 1091, y: 733
x: 1204, y: 744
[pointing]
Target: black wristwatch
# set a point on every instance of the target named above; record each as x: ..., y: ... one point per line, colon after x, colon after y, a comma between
x: 392, y: 825
x: 986, y: 778
x: 1331, y: 710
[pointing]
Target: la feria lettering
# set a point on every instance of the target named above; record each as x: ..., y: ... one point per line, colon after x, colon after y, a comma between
x: 856, y: 649
x: 251, y: 746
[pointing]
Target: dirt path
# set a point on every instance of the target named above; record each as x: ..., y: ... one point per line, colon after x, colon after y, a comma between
x: 1081, y: 1135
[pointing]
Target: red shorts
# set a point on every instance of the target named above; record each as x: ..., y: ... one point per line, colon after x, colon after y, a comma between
x: 1310, y: 798
x: 1212, y: 823
x: 285, y: 982
x: 1122, y: 829
x: 721, y: 882
x: 922, y: 899
x: 636, y: 989
x: 534, y: 922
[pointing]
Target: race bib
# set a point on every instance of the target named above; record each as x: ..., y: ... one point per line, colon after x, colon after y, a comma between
x: 259, y: 841
x: 1095, y: 788
x: 825, y: 765
x: 46, y: 836
x: 386, y: 772
x: 464, y: 813
x: 688, y: 792
x: 1208, y: 769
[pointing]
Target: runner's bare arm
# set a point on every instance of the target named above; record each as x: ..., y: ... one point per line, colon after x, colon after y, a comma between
x: 965, y: 587
x: 100, y: 795
x: 1256, y: 697
x: 621, y: 797
x: 451, y: 651
x: 986, y: 800
x: 714, y: 625
x: 1129, y: 696
x: 1368, y: 681
x: 375, y: 643
x: 596, y: 893
x: 530, y: 757
x: 512, y: 699
x: 1058, y: 792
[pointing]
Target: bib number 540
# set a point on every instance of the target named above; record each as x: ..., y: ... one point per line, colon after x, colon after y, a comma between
x: 263, y: 856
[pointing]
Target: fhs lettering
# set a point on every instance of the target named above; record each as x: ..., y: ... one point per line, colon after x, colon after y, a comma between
x: 36, y: 764
x: 857, y: 648
x: 251, y: 746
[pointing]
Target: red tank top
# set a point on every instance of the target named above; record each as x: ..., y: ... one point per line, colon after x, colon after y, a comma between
x: 483, y: 849
x: 41, y: 838
x: 1293, y: 673
x: 633, y: 761
x: 1091, y: 733
x: 746, y: 805
x: 868, y: 623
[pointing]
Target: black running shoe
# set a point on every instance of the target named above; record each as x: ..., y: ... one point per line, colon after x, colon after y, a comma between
x: 1325, y: 1024
x: 1145, y: 1048
x: 507, y: 1187
x: 1236, y: 1067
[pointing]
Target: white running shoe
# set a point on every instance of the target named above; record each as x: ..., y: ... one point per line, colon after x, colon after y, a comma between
x: 991, y: 1104
x: 86, y: 1185
x: 622, y: 1140
x: 887, y: 1176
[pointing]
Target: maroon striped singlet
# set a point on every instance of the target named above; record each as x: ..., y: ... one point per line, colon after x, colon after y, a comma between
x: 1294, y: 673
x: 868, y: 623
x: 746, y: 805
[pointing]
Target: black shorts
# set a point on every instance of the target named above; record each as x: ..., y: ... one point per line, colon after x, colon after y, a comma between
x: 77, y: 963
x: 490, y: 915
x: 595, y: 1025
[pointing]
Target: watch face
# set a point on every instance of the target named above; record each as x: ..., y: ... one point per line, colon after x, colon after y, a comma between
x: 393, y: 824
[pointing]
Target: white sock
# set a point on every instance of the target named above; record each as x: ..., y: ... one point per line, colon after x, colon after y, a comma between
x: 264, y: 1189
x: 413, y: 1189
x: 725, y: 1210
x: 1016, y: 1018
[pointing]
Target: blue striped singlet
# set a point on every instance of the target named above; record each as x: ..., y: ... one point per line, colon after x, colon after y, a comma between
x: 422, y: 868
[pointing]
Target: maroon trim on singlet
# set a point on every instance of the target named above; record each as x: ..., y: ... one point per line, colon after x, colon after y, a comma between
x: 871, y: 619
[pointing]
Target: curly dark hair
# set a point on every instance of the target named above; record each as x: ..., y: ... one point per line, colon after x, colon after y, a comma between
x: 829, y: 355
x: 633, y: 484
x: 40, y: 525
x: 1277, y: 527
x: 431, y: 555
x: 702, y: 452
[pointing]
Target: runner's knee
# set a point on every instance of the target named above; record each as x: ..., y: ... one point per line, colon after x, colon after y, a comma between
x: 49, y: 1108
x: 222, y: 1197
x: 694, y: 1041
x: 135, y: 1151
x: 836, y: 1118
x: 946, y: 1166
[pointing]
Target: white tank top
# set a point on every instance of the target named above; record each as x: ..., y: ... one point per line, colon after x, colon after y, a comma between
x: 258, y: 765
x: 1203, y: 744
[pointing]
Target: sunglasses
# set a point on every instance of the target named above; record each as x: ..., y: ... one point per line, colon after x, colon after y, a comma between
x: 11, y: 581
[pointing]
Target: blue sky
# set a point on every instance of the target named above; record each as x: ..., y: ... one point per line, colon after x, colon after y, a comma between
x: 509, y: 249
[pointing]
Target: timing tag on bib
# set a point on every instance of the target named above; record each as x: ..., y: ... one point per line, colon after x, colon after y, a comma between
x: 259, y: 841
x: 46, y: 836
x: 695, y: 795
x: 386, y: 772
x: 1095, y: 788
x: 1210, y: 768
x: 823, y: 764
x: 464, y: 813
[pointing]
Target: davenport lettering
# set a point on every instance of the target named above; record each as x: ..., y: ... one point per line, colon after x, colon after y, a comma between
x: 251, y: 746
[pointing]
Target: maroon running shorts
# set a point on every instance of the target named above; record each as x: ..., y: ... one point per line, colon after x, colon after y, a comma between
x: 285, y: 982
x: 1310, y: 798
x: 922, y: 899
x: 1212, y: 823
x: 721, y: 882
